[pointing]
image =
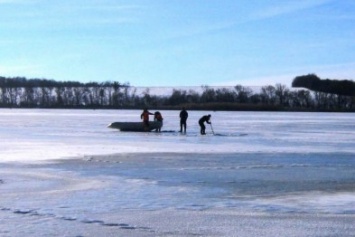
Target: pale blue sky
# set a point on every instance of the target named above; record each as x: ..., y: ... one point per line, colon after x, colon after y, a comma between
x: 178, y: 42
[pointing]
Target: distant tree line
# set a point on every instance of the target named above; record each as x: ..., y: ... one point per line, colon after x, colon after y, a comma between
x: 314, y: 83
x: 42, y: 93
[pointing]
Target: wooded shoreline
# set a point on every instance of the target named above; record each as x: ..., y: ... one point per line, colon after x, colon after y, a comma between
x: 316, y: 95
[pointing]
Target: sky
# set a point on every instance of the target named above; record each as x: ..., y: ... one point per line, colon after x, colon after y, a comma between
x: 178, y: 42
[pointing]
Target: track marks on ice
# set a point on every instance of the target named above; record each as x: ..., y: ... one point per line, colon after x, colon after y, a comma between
x: 33, y: 212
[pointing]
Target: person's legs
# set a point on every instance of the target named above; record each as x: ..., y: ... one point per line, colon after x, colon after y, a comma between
x: 146, y: 125
x: 203, y: 128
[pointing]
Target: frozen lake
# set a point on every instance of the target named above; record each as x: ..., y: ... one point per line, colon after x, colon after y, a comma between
x: 50, y: 134
x: 254, y: 174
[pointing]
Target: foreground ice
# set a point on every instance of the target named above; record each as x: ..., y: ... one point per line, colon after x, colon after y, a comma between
x: 169, y: 194
x: 260, y: 174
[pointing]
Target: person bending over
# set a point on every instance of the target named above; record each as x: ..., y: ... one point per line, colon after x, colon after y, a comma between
x: 158, y: 118
x: 203, y: 119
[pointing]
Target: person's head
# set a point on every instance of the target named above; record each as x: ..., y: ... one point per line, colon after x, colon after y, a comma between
x: 209, y: 116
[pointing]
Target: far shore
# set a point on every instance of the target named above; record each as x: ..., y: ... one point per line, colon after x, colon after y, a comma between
x: 198, y: 107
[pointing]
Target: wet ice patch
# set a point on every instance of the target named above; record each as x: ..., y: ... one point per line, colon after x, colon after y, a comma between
x: 312, y: 202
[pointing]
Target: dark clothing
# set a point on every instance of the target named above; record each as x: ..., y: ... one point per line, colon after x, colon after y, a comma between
x: 159, y: 118
x: 206, y: 119
x: 183, y: 118
x: 201, y: 122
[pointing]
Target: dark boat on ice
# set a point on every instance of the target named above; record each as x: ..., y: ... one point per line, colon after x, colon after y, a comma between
x: 136, y: 126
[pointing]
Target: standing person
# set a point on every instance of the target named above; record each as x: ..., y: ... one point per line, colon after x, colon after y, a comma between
x: 183, y: 118
x: 158, y: 118
x: 145, y: 117
x: 203, y: 119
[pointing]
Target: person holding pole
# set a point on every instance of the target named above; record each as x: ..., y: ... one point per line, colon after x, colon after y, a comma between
x: 203, y: 119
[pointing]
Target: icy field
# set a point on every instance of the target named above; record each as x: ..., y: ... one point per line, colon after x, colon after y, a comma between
x: 64, y: 173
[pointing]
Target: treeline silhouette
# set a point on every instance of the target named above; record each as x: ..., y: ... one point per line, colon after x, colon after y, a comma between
x: 314, y: 83
x: 19, y: 92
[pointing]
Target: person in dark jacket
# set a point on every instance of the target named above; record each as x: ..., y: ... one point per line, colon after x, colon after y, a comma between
x: 183, y: 118
x: 159, y: 118
x: 203, y: 119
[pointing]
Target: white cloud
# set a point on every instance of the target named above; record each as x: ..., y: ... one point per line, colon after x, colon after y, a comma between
x: 285, y: 79
x: 17, y: 1
x: 337, y: 71
x: 333, y: 71
x: 8, y: 1
x: 282, y: 8
x: 114, y: 8
x: 20, y: 70
x: 286, y: 7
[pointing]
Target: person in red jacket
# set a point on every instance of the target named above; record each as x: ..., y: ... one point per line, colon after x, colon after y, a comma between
x: 145, y: 117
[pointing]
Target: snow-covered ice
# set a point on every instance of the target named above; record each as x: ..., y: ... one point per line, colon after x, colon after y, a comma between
x: 64, y: 173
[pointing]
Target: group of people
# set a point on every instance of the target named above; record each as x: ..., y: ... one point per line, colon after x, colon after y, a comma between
x: 183, y: 119
x: 157, y: 117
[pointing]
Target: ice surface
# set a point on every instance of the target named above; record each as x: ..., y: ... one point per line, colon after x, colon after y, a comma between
x: 259, y: 174
x: 53, y: 134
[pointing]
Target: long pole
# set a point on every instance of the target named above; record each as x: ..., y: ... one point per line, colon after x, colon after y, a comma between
x: 212, y: 128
